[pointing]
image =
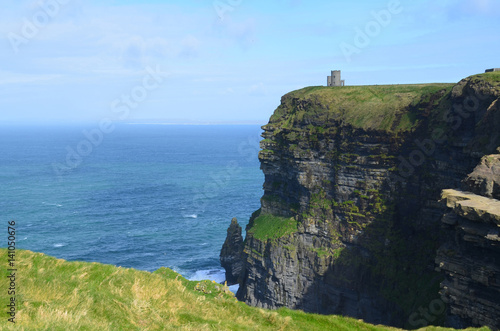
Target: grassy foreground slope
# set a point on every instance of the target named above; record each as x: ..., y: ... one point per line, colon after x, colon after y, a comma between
x: 54, y: 294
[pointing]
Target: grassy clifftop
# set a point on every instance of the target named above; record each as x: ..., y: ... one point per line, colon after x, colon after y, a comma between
x: 491, y: 77
x: 54, y: 294
x: 386, y: 108
x: 391, y: 108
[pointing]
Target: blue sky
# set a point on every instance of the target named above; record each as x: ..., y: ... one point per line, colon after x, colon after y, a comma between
x: 224, y: 60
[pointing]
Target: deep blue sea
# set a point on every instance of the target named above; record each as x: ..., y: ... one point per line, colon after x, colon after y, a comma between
x: 142, y: 196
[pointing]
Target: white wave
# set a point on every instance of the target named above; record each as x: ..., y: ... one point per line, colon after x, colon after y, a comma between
x: 217, y: 275
x: 59, y: 245
x: 191, y: 216
x: 52, y: 204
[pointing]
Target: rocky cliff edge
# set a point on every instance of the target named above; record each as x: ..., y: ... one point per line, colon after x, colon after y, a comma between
x: 350, y: 219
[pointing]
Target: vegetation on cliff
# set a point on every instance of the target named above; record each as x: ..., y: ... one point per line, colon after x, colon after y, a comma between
x: 490, y: 77
x: 382, y: 107
x: 272, y: 227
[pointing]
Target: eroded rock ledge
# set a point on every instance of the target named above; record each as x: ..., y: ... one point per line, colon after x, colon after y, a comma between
x: 473, y: 207
x: 470, y: 258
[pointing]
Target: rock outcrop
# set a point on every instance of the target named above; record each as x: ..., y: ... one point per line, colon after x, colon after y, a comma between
x: 485, y: 179
x: 470, y: 257
x: 231, y: 255
x: 350, y: 220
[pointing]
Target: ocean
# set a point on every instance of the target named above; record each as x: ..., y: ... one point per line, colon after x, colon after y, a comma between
x: 142, y: 196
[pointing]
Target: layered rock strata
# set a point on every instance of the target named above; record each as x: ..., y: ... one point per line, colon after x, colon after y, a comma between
x: 470, y: 257
x: 231, y: 253
x: 485, y: 179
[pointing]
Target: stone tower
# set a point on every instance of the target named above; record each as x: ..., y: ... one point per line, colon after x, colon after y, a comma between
x: 334, y: 79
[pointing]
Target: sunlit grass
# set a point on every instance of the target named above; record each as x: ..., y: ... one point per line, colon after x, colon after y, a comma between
x: 272, y: 227
x: 382, y: 107
x: 53, y: 294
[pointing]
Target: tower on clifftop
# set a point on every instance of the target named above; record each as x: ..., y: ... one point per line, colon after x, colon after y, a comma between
x: 334, y: 79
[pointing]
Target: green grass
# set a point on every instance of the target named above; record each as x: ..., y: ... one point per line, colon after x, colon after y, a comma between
x: 321, y: 252
x: 54, y: 294
x: 383, y: 107
x: 272, y: 227
x: 491, y: 77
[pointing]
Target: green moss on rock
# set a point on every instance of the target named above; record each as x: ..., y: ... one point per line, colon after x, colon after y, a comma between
x: 268, y: 226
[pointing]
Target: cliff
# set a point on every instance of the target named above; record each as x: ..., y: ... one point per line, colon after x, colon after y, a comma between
x: 350, y: 221
x: 470, y: 255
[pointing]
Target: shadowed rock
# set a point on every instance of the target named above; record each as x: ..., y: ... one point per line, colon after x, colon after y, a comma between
x: 231, y: 253
x: 469, y: 258
x: 485, y: 179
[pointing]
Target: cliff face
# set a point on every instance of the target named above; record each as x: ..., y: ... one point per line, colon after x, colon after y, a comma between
x: 350, y: 218
x: 470, y: 257
x: 485, y: 179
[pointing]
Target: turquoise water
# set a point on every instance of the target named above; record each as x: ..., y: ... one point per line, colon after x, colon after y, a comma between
x: 145, y: 196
